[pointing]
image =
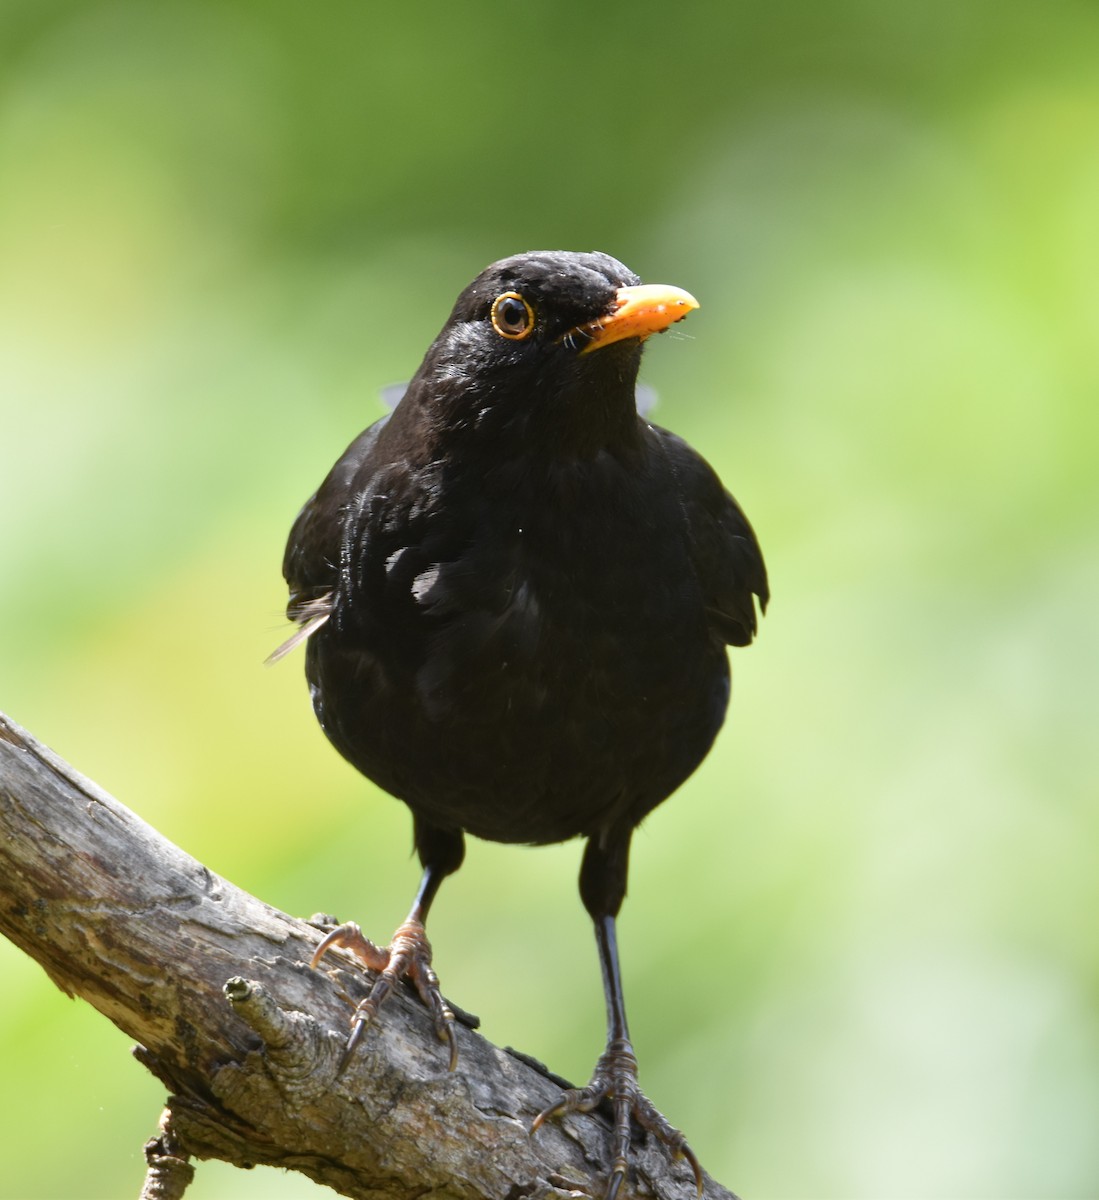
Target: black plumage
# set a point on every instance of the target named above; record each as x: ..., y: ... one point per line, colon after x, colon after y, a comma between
x: 517, y: 595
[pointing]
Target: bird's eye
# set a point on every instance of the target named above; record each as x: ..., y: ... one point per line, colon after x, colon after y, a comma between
x: 512, y: 316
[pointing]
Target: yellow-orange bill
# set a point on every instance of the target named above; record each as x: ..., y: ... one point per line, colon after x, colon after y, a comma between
x: 643, y: 310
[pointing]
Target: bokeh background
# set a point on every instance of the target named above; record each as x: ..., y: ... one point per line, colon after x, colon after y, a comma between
x: 860, y: 947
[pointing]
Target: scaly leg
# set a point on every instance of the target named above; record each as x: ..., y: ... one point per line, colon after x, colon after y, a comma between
x: 602, y: 887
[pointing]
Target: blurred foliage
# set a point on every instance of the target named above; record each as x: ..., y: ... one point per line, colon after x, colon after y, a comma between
x: 857, y: 946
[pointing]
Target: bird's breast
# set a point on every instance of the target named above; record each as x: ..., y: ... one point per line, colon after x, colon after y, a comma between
x: 546, y: 662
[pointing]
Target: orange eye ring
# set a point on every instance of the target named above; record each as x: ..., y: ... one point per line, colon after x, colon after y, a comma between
x: 512, y: 317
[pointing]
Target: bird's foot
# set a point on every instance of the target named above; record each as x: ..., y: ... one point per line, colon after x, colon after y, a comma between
x: 615, y: 1080
x: 408, y: 956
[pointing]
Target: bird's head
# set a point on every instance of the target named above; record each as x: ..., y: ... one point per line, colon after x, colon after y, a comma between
x: 545, y: 345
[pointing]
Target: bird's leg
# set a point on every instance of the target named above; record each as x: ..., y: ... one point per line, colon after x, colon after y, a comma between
x: 408, y: 955
x: 615, y: 1079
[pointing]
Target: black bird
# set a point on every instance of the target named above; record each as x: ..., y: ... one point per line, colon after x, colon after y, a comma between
x: 517, y: 594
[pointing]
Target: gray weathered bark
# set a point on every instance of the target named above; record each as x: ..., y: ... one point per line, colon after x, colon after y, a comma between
x: 215, y: 986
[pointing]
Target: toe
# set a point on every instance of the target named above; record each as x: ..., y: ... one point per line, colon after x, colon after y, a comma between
x: 350, y: 937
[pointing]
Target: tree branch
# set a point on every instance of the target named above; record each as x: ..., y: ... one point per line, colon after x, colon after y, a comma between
x: 215, y: 987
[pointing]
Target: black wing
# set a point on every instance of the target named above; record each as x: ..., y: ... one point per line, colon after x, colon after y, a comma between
x: 724, y: 548
x: 311, y: 562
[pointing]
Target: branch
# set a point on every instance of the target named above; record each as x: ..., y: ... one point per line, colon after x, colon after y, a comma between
x: 215, y: 987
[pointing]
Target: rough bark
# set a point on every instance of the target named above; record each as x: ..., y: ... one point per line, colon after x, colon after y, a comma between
x: 215, y: 987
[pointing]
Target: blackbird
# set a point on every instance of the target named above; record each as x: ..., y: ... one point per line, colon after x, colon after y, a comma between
x: 516, y: 594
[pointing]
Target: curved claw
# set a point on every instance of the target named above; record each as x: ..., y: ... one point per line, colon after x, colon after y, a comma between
x: 426, y: 982
x: 686, y: 1152
x: 366, y: 1011
x: 358, y: 1025
x: 615, y: 1181
x: 351, y: 937
x: 574, y: 1100
x: 544, y: 1115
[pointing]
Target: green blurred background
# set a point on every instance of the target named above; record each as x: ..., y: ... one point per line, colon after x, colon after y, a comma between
x: 860, y: 946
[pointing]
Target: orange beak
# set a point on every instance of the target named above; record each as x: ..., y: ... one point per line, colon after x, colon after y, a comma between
x: 649, y: 308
